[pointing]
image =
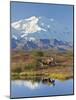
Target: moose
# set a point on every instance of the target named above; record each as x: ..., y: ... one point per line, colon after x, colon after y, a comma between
x: 49, y: 80
x: 48, y: 61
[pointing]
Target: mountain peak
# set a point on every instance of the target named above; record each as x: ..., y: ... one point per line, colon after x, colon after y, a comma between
x: 27, y: 26
x: 38, y: 27
x: 32, y: 18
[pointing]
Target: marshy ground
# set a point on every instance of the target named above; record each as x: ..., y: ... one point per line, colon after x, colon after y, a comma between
x: 27, y: 65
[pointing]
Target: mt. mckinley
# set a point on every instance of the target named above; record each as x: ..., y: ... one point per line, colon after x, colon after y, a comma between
x: 39, y: 32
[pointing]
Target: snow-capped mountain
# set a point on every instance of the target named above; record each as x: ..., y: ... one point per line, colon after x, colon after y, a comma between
x: 27, y: 26
x: 39, y: 32
x: 39, y: 27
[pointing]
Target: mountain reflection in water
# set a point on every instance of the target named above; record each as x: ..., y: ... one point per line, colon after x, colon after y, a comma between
x: 32, y: 84
x: 31, y: 88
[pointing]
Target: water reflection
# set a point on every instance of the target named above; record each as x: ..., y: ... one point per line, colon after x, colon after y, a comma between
x: 28, y: 84
x: 33, y: 84
x: 48, y: 81
x: 40, y: 87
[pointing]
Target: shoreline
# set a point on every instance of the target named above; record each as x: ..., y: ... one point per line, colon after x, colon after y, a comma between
x: 55, y: 72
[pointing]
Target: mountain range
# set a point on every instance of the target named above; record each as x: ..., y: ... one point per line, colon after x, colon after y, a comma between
x: 39, y: 33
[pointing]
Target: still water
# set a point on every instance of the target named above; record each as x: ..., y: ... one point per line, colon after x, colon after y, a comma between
x: 22, y: 88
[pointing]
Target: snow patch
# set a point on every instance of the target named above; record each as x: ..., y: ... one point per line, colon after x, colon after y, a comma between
x: 28, y: 26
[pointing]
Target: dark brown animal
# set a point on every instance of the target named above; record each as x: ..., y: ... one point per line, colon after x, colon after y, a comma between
x: 48, y: 61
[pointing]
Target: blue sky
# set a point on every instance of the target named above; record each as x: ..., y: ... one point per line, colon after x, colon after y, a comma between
x: 61, y: 13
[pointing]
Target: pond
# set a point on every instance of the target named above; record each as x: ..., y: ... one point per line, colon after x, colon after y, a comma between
x: 24, y: 88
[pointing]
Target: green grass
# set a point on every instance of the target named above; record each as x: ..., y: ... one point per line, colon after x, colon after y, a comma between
x: 32, y: 75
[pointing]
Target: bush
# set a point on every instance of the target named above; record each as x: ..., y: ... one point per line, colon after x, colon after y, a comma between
x: 18, y: 70
x: 29, y: 66
x: 40, y: 53
x: 34, y: 65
